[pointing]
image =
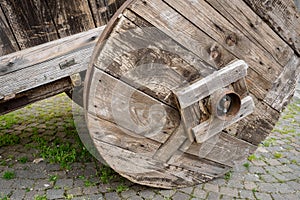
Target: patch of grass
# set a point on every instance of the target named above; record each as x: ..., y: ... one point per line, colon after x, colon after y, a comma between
x: 8, y: 120
x: 269, y: 142
x: 23, y: 160
x: 122, y: 188
x: 106, y: 174
x: 278, y: 155
x: 53, y: 178
x: 252, y: 157
x: 285, y: 130
x: 9, y: 139
x: 88, y: 183
x: 8, y: 175
x: 5, y: 197
x: 247, y: 165
x: 40, y: 197
x: 228, y: 176
x: 294, y: 162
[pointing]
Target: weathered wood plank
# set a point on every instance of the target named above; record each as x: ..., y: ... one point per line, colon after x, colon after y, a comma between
x: 43, y: 64
x: 166, y: 19
x: 215, y: 25
x: 110, y: 133
x: 148, y: 171
x: 211, y: 127
x: 282, y: 17
x: 247, y: 21
x: 223, y: 148
x: 148, y: 60
x: 257, y: 126
x: 197, y: 91
x: 8, y: 44
x: 30, y: 21
x: 36, y: 94
x: 284, y: 87
x: 115, y: 101
x: 70, y: 17
x: 103, y: 10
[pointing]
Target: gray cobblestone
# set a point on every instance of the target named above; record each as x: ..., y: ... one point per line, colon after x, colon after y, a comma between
x: 269, y: 178
x: 55, y: 194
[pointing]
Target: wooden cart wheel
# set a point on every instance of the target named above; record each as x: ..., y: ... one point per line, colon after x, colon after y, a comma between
x: 178, y: 93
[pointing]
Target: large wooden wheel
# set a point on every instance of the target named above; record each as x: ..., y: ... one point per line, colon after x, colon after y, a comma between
x: 180, y: 91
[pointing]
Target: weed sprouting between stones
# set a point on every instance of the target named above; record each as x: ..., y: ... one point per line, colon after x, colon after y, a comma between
x: 9, y: 139
x: 8, y: 175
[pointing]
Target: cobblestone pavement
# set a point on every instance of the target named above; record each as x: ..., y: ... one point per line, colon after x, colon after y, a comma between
x: 30, y: 168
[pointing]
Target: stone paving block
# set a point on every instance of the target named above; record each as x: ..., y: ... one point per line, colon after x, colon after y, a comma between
x: 128, y: 193
x: 213, y: 196
x: 75, y: 191
x: 95, y: 197
x: 262, y: 196
x: 246, y: 194
x: 268, y: 178
x: 5, y: 184
x: 23, y: 184
x: 268, y: 187
x: 285, y: 188
x: 249, y: 185
x: 295, y: 185
x: 112, y: 196
x: 91, y: 190
x: 32, y: 194
x: 64, y: 183
x: 187, y: 190
x: 135, y: 197
x: 17, y: 195
x: 211, y: 187
x: 233, y: 192
x: 235, y: 184
x: 147, y: 194
x: 181, y: 196
x: 5, y: 192
x: 167, y: 193
x: 55, y: 194
x: 258, y: 163
x: 199, y: 193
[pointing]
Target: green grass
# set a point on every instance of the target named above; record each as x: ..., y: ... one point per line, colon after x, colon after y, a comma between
x: 5, y: 197
x: 23, y: 160
x: 53, y: 178
x: 247, y: 165
x: 40, y: 197
x: 277, y: 155
x: 269, y: 142
x: 9, y: 139
x: 8, y: 120
x: 122, y: 188
x: 228, y: 176
x: 8, y: 175
x: 106, y: 174
x: 252, y: 157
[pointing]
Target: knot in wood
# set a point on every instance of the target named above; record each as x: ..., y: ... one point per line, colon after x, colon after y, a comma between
x: 231, y: 40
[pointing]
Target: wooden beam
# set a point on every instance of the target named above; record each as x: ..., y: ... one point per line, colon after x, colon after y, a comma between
x: 39, y: 65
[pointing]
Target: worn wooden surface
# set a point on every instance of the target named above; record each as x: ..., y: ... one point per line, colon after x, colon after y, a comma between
x: 282, y: 16
x: 39, y: 65
x: 148, y: 63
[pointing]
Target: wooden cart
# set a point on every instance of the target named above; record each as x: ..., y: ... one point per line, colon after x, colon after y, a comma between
x: 175, y: 92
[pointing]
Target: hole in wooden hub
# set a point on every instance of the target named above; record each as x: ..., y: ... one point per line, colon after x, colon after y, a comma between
x: 226, y: 104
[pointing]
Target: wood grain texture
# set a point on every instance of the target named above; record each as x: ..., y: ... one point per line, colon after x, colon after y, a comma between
x: 132, y: 110
x: 207, y: 19
x: 8, y: 44
x: 30, y: 21
x: 46, y: 63
x: 70, y: 17
x: 213, y: 51
x: 282, y: 16
x: 36, y: 94
x: 103, y: 10
x: 250, y: 24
